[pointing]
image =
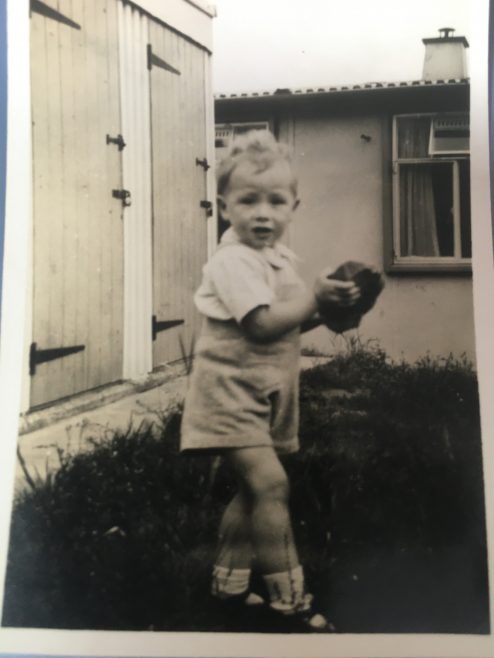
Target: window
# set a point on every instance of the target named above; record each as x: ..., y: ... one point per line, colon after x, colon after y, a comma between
x: 431, y: 192
x: 225, y: 132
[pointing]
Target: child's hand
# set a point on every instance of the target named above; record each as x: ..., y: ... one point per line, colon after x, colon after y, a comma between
x: 333, y: 292
x: 345, y: 295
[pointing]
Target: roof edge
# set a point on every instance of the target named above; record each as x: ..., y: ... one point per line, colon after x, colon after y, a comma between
x: 205, y: 7
x: 321, y: 91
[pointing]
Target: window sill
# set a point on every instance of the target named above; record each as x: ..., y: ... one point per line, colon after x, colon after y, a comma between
x: 417, y: 265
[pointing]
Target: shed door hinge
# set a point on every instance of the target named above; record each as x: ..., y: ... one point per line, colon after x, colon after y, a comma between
x: 161, y: 325
x: 123, y: 195
x: 118, y: 140
x: 154, y: 60
x: 41, y: 8
x: 37, y: 356
x: 203, y: 163
x: 208, y: 206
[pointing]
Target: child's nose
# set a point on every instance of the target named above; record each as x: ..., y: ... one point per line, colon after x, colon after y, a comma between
x: 262, y: 213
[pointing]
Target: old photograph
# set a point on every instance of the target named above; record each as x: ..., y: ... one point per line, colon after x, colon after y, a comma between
x: 249, y: 398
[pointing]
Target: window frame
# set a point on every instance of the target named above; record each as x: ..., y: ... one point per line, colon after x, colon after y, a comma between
x: 254, y: 125
x: 399, y: 263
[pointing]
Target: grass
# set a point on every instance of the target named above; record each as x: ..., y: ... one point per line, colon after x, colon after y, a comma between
x: 387, y: 501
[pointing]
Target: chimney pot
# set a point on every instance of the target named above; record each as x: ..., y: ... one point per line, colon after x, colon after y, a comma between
x: 445, y: 31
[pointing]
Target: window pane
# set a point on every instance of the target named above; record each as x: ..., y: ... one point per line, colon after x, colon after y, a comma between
x: 442, y: 181
x: 413, y: 137
x: 426, y: 209
x: 223, y: 135
x: 466, y: 234
x: 450, y: 134
x: 247, y: 127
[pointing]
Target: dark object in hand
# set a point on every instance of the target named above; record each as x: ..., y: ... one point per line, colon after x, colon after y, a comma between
x: 370, y: 282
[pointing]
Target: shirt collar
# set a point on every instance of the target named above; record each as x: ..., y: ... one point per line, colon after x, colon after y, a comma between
x: 276, y: 256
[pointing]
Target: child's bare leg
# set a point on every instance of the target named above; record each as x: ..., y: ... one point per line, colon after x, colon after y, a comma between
x: 257, y: 522
x: 235, y: 546
x: 264, y: 485
x: 231, y: 573
x: 261, y: 507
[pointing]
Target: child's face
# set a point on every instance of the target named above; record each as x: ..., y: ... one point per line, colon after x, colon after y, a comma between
x: 259, y: 205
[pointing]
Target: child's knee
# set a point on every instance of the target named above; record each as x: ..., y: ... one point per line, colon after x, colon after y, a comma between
x: 261, y: 475
x: 270, y: 485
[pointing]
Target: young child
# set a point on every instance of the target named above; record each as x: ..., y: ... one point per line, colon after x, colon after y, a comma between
x: 243, y: 397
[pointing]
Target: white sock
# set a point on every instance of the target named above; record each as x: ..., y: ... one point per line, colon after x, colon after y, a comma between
x: 287, y: 591
x: 229, y: 582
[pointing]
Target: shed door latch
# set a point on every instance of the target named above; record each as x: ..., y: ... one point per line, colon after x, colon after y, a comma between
x: 118, y: 140
x: 203, y: 163
x: 208, y: 206
x: 123, y: 195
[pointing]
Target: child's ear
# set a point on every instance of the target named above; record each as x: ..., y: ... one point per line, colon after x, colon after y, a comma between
x: 221, y: 204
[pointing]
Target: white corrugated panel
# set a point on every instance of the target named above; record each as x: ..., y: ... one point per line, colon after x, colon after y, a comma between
x: 134, y: 83
x: 191, y: 18
x: 210, y: 151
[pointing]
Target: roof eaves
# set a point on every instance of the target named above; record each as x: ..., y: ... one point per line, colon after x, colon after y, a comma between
x: 343, y: 88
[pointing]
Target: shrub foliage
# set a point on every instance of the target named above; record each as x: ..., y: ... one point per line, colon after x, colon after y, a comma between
x: 387, y: 495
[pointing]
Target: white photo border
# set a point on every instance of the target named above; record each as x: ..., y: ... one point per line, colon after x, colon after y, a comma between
x: 17, y: 230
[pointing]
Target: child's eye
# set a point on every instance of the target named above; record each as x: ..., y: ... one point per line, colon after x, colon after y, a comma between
x: 247, y: 200
x: 278, y: 200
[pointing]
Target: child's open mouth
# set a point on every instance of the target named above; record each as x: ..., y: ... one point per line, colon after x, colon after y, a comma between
x: 262, y: 230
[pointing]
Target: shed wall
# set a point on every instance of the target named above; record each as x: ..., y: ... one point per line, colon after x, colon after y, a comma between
x: 136, y: 161
x: 190, y: 18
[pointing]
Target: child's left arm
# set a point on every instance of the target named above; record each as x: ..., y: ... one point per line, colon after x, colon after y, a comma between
x: 268, y: 322
x: 311, y: 323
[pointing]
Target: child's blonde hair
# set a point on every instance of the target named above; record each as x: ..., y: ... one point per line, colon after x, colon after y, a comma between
x: 258, y: 147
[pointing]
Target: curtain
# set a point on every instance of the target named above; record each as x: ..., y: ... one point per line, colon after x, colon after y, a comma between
x: 413, y: 137
x: 418, y: 221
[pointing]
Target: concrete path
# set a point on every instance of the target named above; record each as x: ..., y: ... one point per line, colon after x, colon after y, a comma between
x: 76, y: 432
x: 71, y: 426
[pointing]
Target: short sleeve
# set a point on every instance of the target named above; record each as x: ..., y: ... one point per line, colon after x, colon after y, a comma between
x: 240, y: 281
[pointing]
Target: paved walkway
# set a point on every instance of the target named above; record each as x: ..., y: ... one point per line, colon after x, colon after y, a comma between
x: 71, y: 426
x: 77, y: 429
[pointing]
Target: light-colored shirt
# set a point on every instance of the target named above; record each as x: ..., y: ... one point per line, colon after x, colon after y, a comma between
x: 238, y: 279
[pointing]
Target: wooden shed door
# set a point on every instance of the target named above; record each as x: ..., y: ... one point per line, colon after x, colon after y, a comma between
x: 178, y: 120
x: 77, y: 242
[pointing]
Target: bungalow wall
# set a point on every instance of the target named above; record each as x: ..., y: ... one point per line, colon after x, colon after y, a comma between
x: 341, y: 218
x: 342, y: 152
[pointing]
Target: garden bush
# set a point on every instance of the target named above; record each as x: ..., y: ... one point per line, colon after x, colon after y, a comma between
x: 387, y: 498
